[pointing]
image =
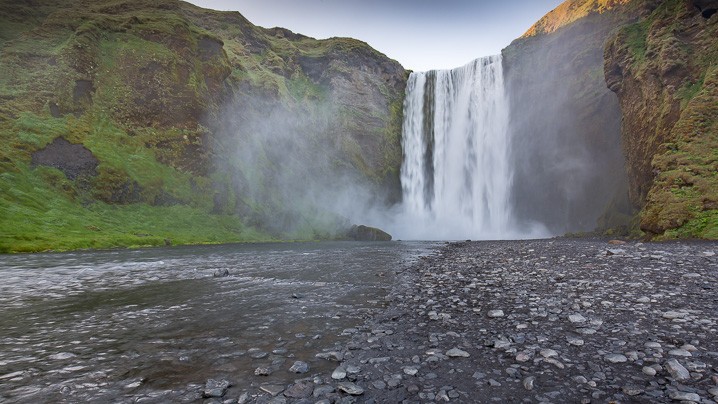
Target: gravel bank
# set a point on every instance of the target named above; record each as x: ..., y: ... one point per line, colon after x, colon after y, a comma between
x: 580, y: 321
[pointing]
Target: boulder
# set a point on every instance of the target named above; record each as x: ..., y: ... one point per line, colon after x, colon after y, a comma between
x: 366, y: 233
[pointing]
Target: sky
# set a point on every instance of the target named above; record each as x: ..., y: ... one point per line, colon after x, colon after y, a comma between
x: 420, y: 34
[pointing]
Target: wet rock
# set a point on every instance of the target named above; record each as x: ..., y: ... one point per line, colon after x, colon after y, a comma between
x: 299, y: 367
x: 221, y: 273
x: 299, y: 390
x: 272, y: 389
x: 262, y: 371
x: 215, y: 388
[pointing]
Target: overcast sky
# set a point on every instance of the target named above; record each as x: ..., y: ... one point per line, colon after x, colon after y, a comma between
x: 420, y: 34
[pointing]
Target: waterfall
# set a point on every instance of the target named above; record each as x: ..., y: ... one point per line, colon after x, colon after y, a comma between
x: 456, y: 177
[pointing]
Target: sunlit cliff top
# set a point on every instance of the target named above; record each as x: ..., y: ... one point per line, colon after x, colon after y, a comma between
x: 568, y: 12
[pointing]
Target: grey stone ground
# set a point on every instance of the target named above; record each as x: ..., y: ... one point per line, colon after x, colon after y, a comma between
x: 560, y: 321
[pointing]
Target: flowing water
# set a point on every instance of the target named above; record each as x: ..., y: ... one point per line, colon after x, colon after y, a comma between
x: 456, y: 175
x: 155, y: 324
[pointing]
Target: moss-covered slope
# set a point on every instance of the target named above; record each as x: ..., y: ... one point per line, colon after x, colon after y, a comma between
x: 145, y: 89
x: 664, y: 69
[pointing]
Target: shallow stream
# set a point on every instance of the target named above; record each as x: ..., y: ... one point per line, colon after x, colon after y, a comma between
x: 155, y: 324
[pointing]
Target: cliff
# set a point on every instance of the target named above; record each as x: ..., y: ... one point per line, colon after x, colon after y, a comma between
x: 135, y: 122
x: 664, y: 69
x: 565, y: 123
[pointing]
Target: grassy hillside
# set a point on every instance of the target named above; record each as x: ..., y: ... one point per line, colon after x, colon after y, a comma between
x: 156, y: 102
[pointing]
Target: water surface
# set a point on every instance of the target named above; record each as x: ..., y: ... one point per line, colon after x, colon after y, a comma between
x: 155, y: 324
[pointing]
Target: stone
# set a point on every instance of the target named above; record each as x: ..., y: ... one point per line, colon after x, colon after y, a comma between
x: 677, y: 371
x: 299, y: 390
x: 495, y: 313
x: 529, y: 383
x: 215, y: 388
x: 683, y: 396
x: 522, y: 357
x: 576, y: 319
x: 672, y: 315
x: 615, y: 358
x: 272, y: 389
x: 648, y: 371
x: 411, y: 371
x: 299, y: 367
x: 632, y: 390
x: 680, y: 352
x: 339, y: 373
x: 643, y: 299
x: 262, y: 371
x: 320, y: 391
x: 350, y: 388
x: 713, y: 392
x: 548, y: 353
x: 457, y: 353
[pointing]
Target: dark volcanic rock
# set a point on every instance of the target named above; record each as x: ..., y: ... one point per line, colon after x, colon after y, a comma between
x: 74, y: 160
x: 578, y: 326
x: 366, y: 233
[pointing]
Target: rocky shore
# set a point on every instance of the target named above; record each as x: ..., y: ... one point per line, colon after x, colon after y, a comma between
x: 579, y: 321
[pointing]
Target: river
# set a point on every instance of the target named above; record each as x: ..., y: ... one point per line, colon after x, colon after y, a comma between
x: 155, y: 324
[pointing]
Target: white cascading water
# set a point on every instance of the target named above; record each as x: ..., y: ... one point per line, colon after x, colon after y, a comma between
x: 456, y: 175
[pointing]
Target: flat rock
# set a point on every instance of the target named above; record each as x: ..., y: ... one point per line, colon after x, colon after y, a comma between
x: 272, y: 389
x: 683, y: 396
x: 215, y: 388
x: 457, y: 353
x: 676, y: 370
x: 576, y: 319
x: 615, y: 358
x: 350, y: 388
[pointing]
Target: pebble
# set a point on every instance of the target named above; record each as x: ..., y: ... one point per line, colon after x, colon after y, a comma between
x: 529, y: 383
x: 548, y: 353
x: 457, y: 353
x: 672, y: 315
x: 576, y: 318
x: 615, y: 358
x: 683, y: 396
x: 496, y: 313
x: 339, y: 373
x: 649, y: 371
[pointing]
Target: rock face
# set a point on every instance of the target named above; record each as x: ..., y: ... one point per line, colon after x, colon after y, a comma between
x: 663, y: 69
x: 565, y: 124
